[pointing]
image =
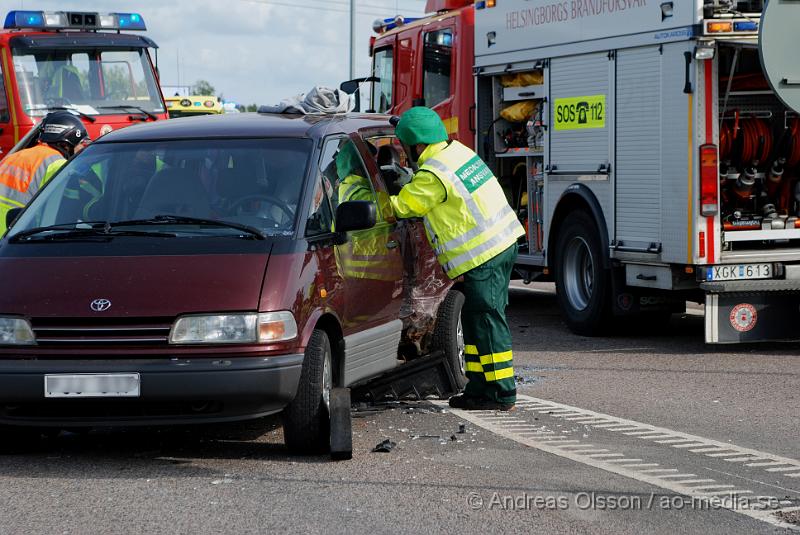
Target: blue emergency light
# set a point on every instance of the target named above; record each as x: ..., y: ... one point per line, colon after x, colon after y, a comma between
x: 384, y: 25
x: 73, y: 20
x: 745, y: 26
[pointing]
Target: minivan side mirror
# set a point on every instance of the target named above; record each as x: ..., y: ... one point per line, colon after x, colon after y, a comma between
x: 351, y: 87
x: 12, y: 215
x: 355, y: 215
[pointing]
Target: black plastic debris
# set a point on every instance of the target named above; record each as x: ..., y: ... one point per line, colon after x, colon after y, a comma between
x: 462, y: 428
x: 384, y: 447
x: 341, y: 429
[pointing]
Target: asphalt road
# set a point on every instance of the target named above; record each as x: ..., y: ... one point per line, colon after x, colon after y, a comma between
x: 596, y: 446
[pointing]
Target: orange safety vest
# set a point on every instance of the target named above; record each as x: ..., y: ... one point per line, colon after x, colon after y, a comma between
x: 21, y: 175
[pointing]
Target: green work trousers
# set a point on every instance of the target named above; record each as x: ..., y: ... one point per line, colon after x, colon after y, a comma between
x: 487, y: 338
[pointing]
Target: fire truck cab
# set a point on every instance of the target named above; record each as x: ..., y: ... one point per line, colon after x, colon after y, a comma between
x: 428, y: 62
x: 80, y: 61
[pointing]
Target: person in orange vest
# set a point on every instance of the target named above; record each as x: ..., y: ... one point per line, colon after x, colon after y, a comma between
x: 22, y: 173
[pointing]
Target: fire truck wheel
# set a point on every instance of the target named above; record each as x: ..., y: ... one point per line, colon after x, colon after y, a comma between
x: 448, y: 335
x: 583, y: 285
x: 306, y: 420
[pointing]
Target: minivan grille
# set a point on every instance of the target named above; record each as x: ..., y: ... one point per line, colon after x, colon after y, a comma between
x: 63, y: 332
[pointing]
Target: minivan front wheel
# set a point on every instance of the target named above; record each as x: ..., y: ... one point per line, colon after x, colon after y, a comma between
x: 306, y: 420
x: 448, y: 335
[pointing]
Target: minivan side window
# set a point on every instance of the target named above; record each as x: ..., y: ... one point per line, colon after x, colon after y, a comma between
x: 390, y: 153
x: 437, y: 66
x: 342, y: 167
x: 320, y: 217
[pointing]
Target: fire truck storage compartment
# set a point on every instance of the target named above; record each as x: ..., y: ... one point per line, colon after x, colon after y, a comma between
x: 759, y: 156
x: 512, y: 143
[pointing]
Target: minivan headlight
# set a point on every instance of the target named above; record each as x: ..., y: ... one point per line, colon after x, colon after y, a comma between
x: 234, y: 328
x: 16, y: 331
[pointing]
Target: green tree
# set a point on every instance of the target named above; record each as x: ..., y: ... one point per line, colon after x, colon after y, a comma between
x: 203, y: 87
x: 252, y: 107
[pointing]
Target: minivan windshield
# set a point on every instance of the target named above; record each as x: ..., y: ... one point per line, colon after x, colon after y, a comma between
x: 93, y: 81
x: 218, y: 187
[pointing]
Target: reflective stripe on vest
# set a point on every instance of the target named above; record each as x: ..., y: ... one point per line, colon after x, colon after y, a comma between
x: 22, y: 173
x: 459, y: 243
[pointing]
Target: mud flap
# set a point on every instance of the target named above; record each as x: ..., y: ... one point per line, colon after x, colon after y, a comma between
x: 769, y: 311
x: 629, y: 301
x: 341, y: 425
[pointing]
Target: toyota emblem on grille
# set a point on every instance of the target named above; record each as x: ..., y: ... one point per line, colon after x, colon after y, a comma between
x: 100, y: 305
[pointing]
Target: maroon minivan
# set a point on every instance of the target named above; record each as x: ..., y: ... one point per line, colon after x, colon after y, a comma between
x: 217, y: 268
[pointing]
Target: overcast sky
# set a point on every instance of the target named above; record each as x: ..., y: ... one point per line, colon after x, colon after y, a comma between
x: 252, y: 51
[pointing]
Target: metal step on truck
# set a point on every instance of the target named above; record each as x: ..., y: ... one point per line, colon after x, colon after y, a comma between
x: 651, y: 149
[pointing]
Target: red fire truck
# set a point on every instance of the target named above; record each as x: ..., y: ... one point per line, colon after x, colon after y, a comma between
x: 85, y: 62
x: 651, y: 149
x: 428, y: 61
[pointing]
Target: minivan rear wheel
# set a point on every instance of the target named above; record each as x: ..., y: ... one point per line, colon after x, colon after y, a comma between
x: 306, y: 420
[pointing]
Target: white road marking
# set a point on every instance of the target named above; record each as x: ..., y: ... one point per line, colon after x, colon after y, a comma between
x: 785, y: 469
x: 681, y: 440
x: 737, y: 476
x: 621, y: 465
x: 707, y: 450
x: 767, y: 463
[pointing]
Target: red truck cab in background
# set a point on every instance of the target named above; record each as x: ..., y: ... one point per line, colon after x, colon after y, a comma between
x: 442, y: 78
x: 81, y: 61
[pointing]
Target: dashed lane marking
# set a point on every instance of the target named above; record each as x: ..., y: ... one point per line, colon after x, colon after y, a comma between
x: 774, y: 464
x: 700, y: 487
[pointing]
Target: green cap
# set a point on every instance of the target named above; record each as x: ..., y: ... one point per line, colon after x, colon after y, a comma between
x: 421, y: 125
x: 347, y: 160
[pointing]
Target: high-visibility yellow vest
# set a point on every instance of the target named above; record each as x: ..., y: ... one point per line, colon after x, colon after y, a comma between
x: 474, y: 223
x: 21, y: 175
x: 366, y: 254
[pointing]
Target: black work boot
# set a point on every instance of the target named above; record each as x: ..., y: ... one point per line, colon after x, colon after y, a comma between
x: 471, y: 403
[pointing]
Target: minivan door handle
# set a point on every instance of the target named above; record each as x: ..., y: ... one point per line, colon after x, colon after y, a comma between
x: 391, y: 244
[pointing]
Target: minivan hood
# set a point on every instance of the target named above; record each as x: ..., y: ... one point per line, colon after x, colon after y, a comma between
x: 136, y: 286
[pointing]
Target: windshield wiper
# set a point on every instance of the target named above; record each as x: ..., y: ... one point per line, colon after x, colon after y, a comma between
x: 65, y: 231
x: 61, y: 108
x: 169, y: 219
x: 148, y: 114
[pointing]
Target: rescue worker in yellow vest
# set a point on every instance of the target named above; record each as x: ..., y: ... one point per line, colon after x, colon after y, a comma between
x: 352, y: 186
x: 474, y: 233
x: 22, y: 173
x: 365, y: 255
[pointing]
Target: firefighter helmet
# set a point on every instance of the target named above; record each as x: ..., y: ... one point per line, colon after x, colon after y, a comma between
x: 63, y: 127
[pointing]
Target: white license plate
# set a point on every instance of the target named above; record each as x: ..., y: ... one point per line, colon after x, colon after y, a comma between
x: 92, y: 385
x: 739, y: 272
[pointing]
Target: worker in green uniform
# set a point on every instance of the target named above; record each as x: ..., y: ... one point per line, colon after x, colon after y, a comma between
x: 474, y: 233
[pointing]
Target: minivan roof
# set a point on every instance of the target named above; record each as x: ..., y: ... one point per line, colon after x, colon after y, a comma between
x: 245, y: 125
